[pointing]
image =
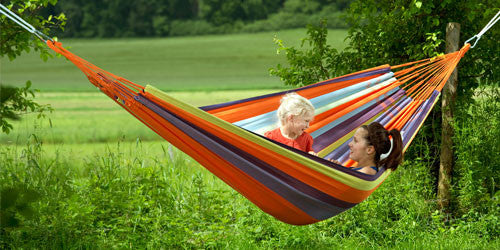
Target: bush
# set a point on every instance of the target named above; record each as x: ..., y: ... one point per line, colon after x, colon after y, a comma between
x: 288, y: 20
x: 477, y: 168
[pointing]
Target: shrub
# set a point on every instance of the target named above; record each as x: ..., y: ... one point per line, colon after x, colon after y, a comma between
x: 477, y: 167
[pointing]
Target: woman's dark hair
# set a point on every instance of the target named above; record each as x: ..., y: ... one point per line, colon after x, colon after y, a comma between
x: 378, y: 137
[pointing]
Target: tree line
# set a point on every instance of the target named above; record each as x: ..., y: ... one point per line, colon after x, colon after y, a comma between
x: 155, y: 18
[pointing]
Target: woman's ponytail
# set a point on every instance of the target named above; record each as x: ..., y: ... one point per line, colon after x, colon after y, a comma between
x: 396, y: 154
x: 388, y: 154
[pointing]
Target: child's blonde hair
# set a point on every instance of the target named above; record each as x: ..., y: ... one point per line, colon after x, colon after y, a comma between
x: 294, y: 104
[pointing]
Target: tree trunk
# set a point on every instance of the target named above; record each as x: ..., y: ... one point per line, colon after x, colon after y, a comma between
x: 447, y: 103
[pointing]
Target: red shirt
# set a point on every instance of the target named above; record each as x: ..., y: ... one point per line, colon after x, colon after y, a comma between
x: 304, y: 142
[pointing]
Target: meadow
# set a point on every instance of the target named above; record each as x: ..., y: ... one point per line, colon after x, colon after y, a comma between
x: 89, y: 175
x: 199, y: 63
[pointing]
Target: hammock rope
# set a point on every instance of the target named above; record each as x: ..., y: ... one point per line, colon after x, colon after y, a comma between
x: 15, y: 18
x: 486, y: 28
x: 293, y: 186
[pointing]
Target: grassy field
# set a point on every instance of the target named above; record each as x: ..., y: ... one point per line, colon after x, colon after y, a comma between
x: 221, y: 62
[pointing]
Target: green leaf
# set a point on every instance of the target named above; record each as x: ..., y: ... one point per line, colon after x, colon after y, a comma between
x: 435, y: 21
x: 418, y: 4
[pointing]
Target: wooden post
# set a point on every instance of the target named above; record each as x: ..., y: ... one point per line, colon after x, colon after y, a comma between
x: 447, y: 103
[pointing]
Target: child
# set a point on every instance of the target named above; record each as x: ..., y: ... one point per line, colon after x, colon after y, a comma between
x: 372, y: 148
x: 294, y: 114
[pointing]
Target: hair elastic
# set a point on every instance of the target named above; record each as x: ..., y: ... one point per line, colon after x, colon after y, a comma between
x: 383, y: 156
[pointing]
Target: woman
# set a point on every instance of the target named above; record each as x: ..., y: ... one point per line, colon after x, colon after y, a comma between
x: 372, y: 148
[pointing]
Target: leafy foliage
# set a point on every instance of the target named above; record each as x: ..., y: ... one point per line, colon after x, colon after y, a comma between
x: 118, y: 18
x: 478, y: 153
x: 395, y: 32
x: 15, y: 202
x: 14, y: 40
x: 318, y: 62
x: 16, y: 101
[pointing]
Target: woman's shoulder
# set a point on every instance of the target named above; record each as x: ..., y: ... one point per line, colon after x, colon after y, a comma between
x: 367, y: 170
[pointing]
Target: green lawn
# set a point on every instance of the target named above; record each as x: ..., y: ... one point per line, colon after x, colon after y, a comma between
x: 239, y: 61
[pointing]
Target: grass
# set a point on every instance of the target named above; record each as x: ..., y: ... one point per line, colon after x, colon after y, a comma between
x: 221, y: 62
x: 150, y: 195
x: 198, y: 70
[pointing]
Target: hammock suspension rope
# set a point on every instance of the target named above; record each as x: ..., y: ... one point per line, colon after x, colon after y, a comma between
x: 486, y: 28
x: 12, y: 16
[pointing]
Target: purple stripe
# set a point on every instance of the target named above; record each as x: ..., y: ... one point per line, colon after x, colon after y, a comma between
x: 315, y: 203
x: 341, y: 153
x: 340, y: 79
x: 418, y: 118
x: 337, y: 132
x: 394, y: 110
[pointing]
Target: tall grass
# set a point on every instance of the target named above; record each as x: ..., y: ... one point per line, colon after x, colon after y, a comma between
x: 477, y: 168
x: 135, y: 194
x: 128, y: 195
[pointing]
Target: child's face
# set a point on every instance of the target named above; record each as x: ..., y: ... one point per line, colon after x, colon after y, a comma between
x: 298, y: 124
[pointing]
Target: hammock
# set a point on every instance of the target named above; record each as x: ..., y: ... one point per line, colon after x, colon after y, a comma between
x: 293, y: 186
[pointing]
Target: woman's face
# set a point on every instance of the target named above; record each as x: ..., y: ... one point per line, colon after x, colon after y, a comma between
x: 360, y: 150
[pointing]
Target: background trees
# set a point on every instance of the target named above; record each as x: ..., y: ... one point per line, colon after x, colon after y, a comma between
x: 127, y: 18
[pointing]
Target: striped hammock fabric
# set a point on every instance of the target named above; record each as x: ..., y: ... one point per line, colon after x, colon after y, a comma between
x: 293, y: 186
